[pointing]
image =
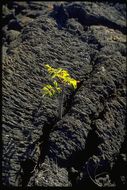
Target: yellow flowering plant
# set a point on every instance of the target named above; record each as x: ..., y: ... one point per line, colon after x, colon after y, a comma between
x: 60, y: 79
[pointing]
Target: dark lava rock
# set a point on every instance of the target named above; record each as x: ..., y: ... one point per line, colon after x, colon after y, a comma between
x: 84, y: 147
x: 12, y: 35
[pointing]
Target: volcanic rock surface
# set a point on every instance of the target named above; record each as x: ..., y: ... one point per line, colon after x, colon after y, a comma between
x: 88, y: 146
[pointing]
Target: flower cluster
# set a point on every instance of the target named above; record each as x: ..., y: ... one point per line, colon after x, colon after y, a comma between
x: 60, y: 76
x: 50, y: 90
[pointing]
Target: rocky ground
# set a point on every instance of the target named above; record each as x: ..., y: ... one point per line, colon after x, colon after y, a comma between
x: 88, y: 146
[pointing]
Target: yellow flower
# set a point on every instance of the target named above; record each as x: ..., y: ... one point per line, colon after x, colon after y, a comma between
x: 73, y: 82
x: 50, y: 69
x: 60, y: 74
x: 56, y: 86
x: 48, y: 90
x: 63, y: 77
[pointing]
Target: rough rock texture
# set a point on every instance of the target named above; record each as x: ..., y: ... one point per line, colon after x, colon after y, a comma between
x: 88, y: 145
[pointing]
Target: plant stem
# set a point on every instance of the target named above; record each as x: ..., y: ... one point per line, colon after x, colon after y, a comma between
x: 61, y: 98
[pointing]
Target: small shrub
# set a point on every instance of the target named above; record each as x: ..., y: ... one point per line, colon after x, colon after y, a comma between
x: 60, y: 79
